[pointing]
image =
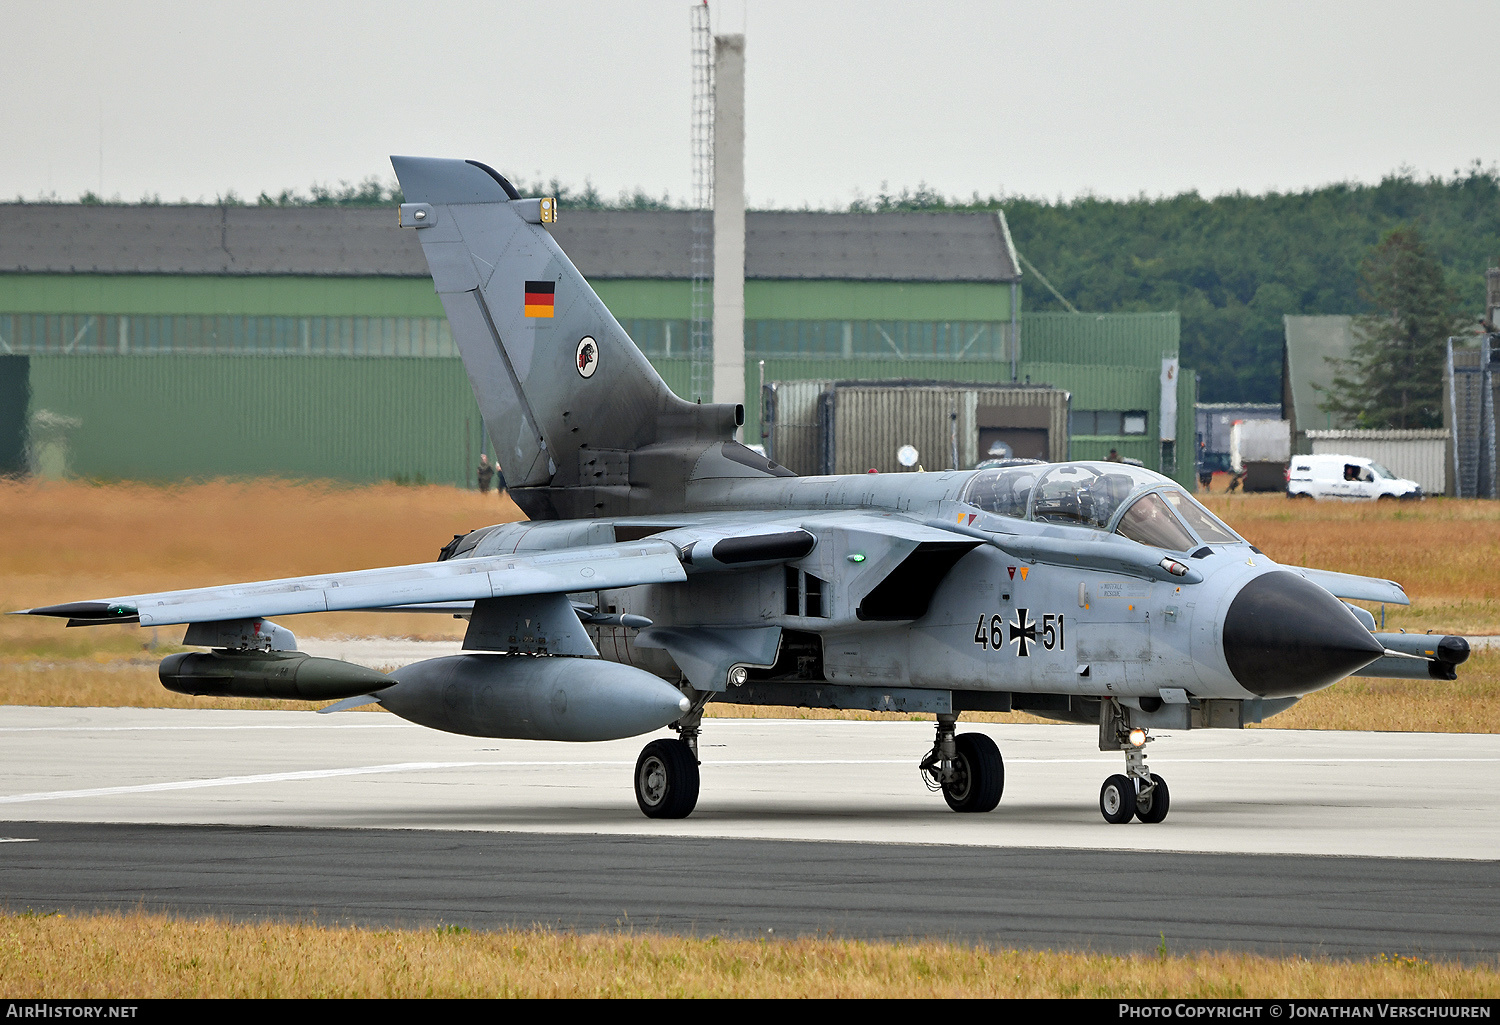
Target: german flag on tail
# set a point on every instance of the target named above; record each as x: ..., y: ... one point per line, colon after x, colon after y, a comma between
x: 539, y: 298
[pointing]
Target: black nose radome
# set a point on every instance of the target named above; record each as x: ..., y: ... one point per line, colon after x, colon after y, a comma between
x: 1284, y: 635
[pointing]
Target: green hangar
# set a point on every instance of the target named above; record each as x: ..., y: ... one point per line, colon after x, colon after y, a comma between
x: 172, y: 342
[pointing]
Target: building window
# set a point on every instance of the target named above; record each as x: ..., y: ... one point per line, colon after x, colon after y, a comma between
x: 1110, y: 423
x: 86, y: 334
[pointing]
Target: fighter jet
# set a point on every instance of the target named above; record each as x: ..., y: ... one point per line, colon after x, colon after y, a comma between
x: 665, y: 565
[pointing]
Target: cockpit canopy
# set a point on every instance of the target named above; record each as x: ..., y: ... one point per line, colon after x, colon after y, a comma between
x: 1132, y: 501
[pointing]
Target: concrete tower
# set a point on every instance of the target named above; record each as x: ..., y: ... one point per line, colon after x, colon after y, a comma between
x: 729, y: 218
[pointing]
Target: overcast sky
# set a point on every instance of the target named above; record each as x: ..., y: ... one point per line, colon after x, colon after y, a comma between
x: 1046, y: 98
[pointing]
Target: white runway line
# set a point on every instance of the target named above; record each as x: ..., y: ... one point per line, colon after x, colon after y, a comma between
x: 367, y: 770
x: 229, y: 781
x: 18, y: 839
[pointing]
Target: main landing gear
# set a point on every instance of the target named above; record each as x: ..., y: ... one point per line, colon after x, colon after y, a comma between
x: 666, y: 773
x: 1139, y: 793
x: 967, y: 769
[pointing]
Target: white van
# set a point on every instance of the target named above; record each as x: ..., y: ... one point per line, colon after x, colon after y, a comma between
x: 1350, y: 477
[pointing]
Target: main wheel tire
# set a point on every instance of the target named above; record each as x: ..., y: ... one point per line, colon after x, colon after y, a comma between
x: 1117, y: 799
x: 666, y: 780
x: 979, y: 774
x: 1153, y: 807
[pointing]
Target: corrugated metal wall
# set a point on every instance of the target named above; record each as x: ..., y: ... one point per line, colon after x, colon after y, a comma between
x: 1119, y: 339
x: 796, y: 438
x: 176, y: 417
x: 859, y: 369
x: 871, y: 422
x: 790, y: 409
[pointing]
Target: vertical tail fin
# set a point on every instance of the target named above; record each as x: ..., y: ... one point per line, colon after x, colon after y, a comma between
x: 566, y: 396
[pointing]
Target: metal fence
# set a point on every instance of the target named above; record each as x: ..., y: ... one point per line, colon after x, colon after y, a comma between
x: 1471, y: 416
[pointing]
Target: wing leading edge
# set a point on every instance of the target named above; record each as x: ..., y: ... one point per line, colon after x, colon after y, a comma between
x: 577, y: 569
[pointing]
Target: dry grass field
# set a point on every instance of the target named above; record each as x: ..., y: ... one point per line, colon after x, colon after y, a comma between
x: 67, y: 541
x: 142, y: 956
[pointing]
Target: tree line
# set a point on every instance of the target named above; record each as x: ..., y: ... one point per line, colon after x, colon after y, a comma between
x: 1234, y: 265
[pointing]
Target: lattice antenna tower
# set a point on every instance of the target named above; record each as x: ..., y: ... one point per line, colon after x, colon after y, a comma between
x: 701, y: 364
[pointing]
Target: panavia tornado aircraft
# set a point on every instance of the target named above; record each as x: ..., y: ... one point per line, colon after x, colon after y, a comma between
x: 665, y: 565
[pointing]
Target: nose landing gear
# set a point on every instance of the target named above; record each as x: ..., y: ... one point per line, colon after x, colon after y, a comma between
x: 1139, y: 793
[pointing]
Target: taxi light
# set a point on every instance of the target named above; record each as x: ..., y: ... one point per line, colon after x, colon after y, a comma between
x: 1137, y: 737
x: 738, y: 675
x: 1174, y: 567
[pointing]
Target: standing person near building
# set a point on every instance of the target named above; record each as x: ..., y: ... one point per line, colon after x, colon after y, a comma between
x: 1114, y: 456
x: 486, y: 473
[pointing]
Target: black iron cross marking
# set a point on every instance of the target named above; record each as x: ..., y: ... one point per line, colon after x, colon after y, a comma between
x: 1023, y: 629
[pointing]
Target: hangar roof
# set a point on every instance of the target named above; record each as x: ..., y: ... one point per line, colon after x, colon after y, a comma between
x: 365, y: 242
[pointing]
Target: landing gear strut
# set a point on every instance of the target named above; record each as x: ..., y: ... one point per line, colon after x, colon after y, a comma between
x: 1139, y: 793
x: 968, y: 769
x: 666, y: 773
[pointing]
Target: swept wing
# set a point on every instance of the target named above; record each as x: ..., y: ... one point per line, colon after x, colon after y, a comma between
x: 577, y: 569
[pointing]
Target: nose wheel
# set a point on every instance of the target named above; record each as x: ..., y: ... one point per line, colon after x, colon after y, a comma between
x: 1152, y: 805
x: 1138, y: 793
x: 1121, y: 799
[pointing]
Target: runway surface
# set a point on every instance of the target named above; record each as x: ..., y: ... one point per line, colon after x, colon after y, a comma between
x: 1278, y: 840
x: 1057, y: 899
